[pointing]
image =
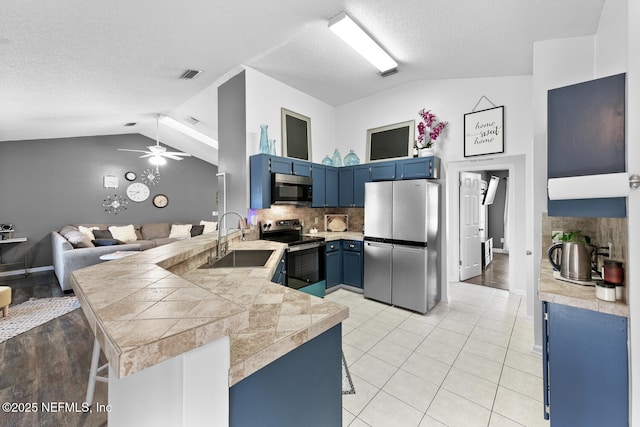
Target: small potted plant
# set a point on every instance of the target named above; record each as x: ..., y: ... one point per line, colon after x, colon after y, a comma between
x: 429, y: 129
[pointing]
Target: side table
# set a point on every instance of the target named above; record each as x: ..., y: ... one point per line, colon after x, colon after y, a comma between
x: 13, y: 240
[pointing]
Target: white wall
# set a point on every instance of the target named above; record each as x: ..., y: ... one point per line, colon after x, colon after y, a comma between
x: 266, y: 96
x: 450, y: 100
x: 611, y: 39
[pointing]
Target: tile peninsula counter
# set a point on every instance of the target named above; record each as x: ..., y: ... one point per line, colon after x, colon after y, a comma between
x: 185, y: 345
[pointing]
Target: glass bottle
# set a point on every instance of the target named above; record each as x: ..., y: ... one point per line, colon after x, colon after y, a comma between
x: 264, y: 139
x: 337, y: 158
x: 351, y: 159
x: 272, y: 147
x: 327, y: 161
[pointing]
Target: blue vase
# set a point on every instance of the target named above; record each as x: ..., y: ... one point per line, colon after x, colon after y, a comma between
x: 337, y: 158
x: 272, y: 147
x: 327, y: 161
x: 351, y: 159
x: 264, y: 139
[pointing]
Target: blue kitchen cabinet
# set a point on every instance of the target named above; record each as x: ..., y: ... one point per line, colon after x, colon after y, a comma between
x: 345, y: 189
x: 361, y: 174
x: 333, y: 263
x: 352, y: 261
x: 586, y: 136
x: 260, y: 167
x: 300, y: 167
x: 383, y: 171
x: 325, y: 186
x: 280, y: 165
x: 585, y: 367
x: 418, y: 168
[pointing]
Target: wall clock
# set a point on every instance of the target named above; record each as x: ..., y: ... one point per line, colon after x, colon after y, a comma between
x: 130, y: 176
x: 150, y: 176
x: 138, y: 192
x: 114, y: 204
x: 160, y: 201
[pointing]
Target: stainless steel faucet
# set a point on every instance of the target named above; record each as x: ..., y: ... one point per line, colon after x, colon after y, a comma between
x: 220, y: 222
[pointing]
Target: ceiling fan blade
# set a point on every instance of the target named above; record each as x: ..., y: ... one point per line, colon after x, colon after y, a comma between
x: 144, y: 156
x: 171, y: 156
x: 135, y: 151
x: 177, y: 153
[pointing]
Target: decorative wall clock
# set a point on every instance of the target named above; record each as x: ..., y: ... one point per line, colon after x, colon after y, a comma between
x: 130, y: 176
x: 138, y: 192
x: 160, y: 201
x: 150, y: 176
x: 114, y: 204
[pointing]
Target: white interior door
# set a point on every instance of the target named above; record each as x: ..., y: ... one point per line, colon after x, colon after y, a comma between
x: 470, y: 248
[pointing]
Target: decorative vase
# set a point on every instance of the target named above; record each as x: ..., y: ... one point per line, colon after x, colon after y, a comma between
x: 337, y: 158
x: 427, y: 152
x: 264, y: 139
x: 351, y: 159
x: 272, y: 147
x: 327, y: 161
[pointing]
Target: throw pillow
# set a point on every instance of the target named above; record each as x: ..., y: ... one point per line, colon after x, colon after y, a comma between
x: 180, y: 231
x: 196, y: 230
x: 87, y: 231
x: 209, y: 226
x: 139, y: 232
x: 106, y: 242
x: 102, y: 234
x: 78, y: 239
x: 155, y: 231
x: 126, y: 233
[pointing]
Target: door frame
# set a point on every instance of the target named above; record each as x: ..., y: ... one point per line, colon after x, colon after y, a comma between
x: 516, y: 166
x: 467, y: 267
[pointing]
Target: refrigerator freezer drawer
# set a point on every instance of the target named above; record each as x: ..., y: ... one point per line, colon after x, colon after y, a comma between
x: 377, y: 271
x: 409, y: 278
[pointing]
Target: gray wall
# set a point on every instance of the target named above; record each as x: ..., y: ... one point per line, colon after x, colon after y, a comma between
x: 232, y: 151
x: 495, y: 213
x: 46, y: 184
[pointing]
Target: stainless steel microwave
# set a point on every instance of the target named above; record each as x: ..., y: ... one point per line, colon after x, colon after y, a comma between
x: 291, y: 189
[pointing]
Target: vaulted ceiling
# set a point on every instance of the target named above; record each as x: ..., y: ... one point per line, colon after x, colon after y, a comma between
x: 83, y: 67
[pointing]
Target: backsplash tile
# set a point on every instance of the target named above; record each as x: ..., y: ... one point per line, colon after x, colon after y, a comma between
x: 309, y: 215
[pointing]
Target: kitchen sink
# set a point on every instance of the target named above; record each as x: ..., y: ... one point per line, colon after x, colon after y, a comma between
x: 241, y: 258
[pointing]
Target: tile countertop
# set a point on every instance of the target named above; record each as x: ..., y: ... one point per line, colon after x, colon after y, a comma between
x: 338, y: 235
x: 152, y: 306
x: 566, y: 293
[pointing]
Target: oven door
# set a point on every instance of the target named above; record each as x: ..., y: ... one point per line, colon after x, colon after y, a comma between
x: 291, y: 189
x: 305, y: 265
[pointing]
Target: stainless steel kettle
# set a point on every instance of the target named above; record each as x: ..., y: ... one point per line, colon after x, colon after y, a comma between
x: 576, y: 259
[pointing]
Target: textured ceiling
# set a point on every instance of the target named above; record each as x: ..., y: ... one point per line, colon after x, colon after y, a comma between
x: 78, y: 67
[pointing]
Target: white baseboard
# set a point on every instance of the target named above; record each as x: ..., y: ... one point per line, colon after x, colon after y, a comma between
x: 29, y: 270
x: 499, y: 251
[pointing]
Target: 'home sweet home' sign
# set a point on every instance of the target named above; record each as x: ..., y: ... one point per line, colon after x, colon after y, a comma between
x: 484, y: 132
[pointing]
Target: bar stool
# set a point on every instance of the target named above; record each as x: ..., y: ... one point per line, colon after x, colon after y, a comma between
x: 5, y: 300
x: 94, y: 371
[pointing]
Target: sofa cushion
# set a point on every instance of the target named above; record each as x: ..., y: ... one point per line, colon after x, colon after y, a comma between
x: 155, y: 231
x: 180, y: 231
x: 78, y: 239
x: 196, y: 230
x: 139, y: 232
x: 146, y: 244
x: 209, y: 226
x: 106, y: 242
x: 88, y: 231
x: 102, y: 234
x: 125, y: 233
x: 66, y: 229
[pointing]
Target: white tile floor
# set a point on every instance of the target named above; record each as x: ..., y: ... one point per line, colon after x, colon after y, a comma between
x: 466, y: 363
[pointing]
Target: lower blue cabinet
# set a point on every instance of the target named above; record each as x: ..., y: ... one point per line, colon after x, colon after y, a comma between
x: 352, y: 262
x: 280, y: 276
x: 585, y: 367
x: 333, y: 263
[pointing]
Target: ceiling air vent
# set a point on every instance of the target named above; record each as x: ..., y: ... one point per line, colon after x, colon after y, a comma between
x: 190, y: 74
x: 389, y: 72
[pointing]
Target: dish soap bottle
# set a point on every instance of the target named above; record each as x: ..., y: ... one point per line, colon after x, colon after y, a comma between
x: 337, y: 158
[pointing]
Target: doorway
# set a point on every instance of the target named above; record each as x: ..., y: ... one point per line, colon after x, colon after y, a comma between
x: 492, y: 246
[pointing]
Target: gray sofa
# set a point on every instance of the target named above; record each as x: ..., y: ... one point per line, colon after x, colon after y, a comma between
x: 72, y: 250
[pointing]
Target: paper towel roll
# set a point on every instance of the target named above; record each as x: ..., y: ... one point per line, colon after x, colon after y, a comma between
x: 589, y: 186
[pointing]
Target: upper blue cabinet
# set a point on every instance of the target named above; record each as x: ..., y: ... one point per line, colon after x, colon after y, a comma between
x: 586, y: 136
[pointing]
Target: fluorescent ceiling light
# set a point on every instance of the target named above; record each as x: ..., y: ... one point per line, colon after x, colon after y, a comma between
x: 176, y: 125
x: 355, y: 37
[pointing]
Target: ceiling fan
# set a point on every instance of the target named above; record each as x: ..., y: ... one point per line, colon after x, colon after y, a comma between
x: 158, y: 154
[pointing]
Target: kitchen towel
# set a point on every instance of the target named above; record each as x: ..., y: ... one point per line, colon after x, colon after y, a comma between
x: 589, y: 186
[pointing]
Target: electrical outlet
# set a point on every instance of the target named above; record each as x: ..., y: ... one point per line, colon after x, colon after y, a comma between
x: 556, y: 233
x: 214, y: 213
x: 502, y: 240
x: 610, y: 250
x: 316, y: 220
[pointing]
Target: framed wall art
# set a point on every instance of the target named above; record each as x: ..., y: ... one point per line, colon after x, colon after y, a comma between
x: 484, y: 132
x: 296, y: 135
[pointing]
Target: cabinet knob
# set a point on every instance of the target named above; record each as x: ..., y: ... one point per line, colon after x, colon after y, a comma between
x: 352, y: 246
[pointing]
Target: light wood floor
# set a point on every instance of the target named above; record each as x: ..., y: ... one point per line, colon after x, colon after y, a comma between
x: 496, y: 275
x: 49, y: 363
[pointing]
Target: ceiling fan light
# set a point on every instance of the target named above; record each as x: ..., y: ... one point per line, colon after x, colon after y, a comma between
x: 345, y: 28
x: 157, y: 160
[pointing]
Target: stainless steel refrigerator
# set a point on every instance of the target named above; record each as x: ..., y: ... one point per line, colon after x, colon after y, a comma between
x: 401, y: 233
